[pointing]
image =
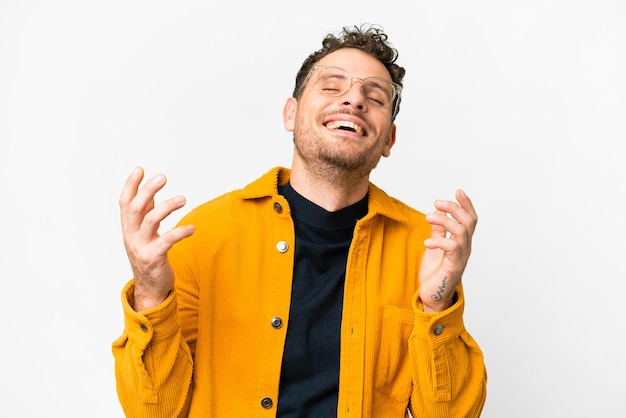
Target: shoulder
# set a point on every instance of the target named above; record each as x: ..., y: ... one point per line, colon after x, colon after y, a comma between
x: 382, y: 203
x: 235, y: 201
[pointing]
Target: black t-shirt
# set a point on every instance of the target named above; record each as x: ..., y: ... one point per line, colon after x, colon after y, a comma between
x: 310, y: 368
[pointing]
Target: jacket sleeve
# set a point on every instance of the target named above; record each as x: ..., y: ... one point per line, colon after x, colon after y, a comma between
x: 447, y: 365
x: 153, y: 363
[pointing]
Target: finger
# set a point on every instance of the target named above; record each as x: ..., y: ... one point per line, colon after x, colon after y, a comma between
x: 441, y: 225
x: 466, y: 203
x: 143, y: 202
x: 128, y: 194
x: 447, y: 245
x: 130, y: 187
x: 171, y: 237
x: 152, y: 220
x: 451, y: 225
x: 465, y: 216
x: 454, y: 250
x: 436, y: 220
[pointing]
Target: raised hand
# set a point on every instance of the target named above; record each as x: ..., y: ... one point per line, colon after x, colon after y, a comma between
x: 146, y: 249
x: 447, y: 251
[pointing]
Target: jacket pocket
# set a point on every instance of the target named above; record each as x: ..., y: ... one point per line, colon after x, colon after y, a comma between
x: 393, y: 374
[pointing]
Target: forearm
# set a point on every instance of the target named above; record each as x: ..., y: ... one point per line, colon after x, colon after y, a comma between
x: 447, y: 365
x: 153, y: 363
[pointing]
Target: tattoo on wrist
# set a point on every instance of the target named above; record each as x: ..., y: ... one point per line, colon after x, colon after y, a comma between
x: 437, y: 297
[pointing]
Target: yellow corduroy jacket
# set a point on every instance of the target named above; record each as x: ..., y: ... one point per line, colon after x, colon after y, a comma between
x: 214, y: 347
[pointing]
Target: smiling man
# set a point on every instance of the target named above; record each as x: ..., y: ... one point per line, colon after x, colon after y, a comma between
x: 342, y: 126
x: 310, y: 292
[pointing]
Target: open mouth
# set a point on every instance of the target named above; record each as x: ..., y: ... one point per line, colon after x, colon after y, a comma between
x: 345, y: 126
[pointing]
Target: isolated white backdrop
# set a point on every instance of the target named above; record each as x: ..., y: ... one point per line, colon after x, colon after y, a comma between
x: 522, y: 104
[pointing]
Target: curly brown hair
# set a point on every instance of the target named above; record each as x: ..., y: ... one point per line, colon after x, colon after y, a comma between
x: 370, y: 39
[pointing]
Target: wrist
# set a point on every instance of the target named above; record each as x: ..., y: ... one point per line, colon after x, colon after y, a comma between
x: 438, y: 305
x: 142, y: 301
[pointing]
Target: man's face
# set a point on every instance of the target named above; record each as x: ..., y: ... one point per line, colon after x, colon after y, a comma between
x: 349, y: 132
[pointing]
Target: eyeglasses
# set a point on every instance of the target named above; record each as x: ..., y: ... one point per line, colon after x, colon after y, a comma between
x: 335, y: 81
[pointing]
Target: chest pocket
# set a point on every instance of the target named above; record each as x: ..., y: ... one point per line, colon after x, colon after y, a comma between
x: 393, y: 375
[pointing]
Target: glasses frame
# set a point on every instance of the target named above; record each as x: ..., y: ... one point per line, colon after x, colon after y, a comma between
x: 397, y: 88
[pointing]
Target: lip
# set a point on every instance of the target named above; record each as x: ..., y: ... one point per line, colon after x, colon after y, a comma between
x: 334, y: 122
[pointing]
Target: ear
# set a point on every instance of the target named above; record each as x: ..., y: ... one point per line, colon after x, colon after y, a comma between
x: 289, y: 113
x: 391, y: 139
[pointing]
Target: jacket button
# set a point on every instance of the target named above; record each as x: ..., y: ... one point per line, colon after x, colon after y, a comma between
x: 277, y: 322
x: 144, y: 327
x: 438, y: 330
x: 266, y: 403
x: 278, y: 208
x: 282, y: 246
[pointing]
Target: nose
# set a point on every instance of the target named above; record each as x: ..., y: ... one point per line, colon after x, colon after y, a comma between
x: 355, y: 96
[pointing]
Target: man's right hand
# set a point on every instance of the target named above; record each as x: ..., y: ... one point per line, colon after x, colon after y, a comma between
x: 146, y: 249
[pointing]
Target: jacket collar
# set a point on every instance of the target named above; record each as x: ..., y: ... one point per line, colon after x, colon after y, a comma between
x: 379, y: 202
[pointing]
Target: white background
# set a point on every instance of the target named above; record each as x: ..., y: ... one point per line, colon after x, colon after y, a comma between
x: 521, y: 103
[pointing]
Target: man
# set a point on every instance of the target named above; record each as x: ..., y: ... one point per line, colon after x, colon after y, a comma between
x: 310, y: 292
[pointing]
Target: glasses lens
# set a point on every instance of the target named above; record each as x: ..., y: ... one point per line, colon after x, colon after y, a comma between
x: 334, y: 81
x: 378, y: 91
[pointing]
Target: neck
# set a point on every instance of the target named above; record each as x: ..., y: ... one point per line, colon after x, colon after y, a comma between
x: 328, y: 187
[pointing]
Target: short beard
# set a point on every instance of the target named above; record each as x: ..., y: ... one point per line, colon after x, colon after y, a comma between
x: 335, y: 166
x: 346, y: 163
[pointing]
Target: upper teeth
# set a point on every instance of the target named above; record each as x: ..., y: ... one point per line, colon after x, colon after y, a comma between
x: 345, y: 124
